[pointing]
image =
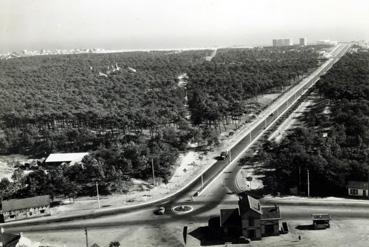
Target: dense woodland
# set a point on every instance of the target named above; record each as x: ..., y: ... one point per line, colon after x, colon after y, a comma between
x: 129, y: 109
x: 218, y: 89
x: 334, y: 145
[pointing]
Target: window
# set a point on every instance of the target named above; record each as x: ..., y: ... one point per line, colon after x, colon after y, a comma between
x: 354, y: 192
x: 12, y: 216
x: 42, y: 211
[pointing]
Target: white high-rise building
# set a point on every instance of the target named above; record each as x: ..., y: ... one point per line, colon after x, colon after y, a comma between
x: 303, y: 41
x: 282, y: 42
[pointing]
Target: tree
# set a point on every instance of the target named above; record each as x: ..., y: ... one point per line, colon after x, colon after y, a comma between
x: 114, y: 244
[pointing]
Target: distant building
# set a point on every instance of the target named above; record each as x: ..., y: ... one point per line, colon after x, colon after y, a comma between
x: 303, y: 41
x: 250, y: 220
x: 357, y: 188
x: 282, y: 42
x: 326, y: 42
x: 57, y: 159
x: 17, y: 209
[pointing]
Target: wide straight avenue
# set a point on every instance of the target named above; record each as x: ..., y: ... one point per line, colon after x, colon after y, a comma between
x: 209, y: 190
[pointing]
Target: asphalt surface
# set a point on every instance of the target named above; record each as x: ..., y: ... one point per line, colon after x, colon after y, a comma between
x: 216, y: 183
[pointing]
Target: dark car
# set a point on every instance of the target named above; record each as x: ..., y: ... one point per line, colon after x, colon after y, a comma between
x: 223, y: 155
x: 160, y: 211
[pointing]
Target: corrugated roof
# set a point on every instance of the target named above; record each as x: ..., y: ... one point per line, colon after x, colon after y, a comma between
x: 65, y: 157
x: 31, y: 202
x: 357, y: 185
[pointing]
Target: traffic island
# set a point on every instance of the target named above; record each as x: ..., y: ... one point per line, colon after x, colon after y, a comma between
x: 182, y: 209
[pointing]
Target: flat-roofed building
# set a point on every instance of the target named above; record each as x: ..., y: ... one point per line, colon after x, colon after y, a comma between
x: 303, y: 41
x: 282, y: 42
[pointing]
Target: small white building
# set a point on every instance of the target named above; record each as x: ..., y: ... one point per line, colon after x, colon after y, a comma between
x: 56, y: 159
x: 357, y: 188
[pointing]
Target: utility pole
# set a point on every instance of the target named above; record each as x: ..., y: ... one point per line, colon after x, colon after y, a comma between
x: 98, y: 196
x: 368, y: 185
x: 153, y: 171
x: 2, y: 236
x: 308, y: 183
x: 86, y: 233
x: 299, y: 188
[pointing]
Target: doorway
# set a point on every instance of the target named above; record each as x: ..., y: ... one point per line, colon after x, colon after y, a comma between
x: 269, y: 230
x: 251, y: 234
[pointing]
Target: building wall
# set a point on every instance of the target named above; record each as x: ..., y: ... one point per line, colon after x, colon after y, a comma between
x: 357, y: 192
x: 282, y: 42
x: 303, y: 41
x: 26, y: 213
x: 271, y: 223
x: 250, y: 221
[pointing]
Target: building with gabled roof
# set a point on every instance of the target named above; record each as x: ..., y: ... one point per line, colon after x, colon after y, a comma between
x: 250, y: 219
x: 230, y: 221
x: 17, y: 209
x: 357, y: 188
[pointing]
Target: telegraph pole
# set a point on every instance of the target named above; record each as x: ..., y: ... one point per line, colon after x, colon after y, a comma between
x: 368, y: 185
x: 308, y: 183
x: 86, y: 233
x: 153, y: 171
x: 2, y: 236
x: 299, y: 179
x: 98, y: 196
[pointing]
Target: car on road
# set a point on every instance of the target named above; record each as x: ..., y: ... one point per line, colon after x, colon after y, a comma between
x: 223, y: 155
x: 160, y: 211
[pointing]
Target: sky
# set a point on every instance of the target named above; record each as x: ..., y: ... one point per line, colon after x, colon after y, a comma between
x: 166, y: 24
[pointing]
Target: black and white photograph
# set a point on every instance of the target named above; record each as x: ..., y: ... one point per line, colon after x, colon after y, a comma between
x: 184, y: 123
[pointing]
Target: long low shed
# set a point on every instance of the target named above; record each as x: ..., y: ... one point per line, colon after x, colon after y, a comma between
x: 17, y: 209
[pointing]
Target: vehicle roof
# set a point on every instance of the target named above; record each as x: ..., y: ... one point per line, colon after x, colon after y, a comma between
x: 321, y: 216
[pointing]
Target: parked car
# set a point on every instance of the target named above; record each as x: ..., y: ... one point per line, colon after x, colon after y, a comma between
x: 321, y: 221
x: 160, y: 211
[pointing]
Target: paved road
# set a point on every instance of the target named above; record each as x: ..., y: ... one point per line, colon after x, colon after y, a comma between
x: 214, y: 184
x: 225, y: 180
x: 300, y: 209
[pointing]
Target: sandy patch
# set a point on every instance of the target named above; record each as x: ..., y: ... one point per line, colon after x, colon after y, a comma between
x: 7, y: 162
